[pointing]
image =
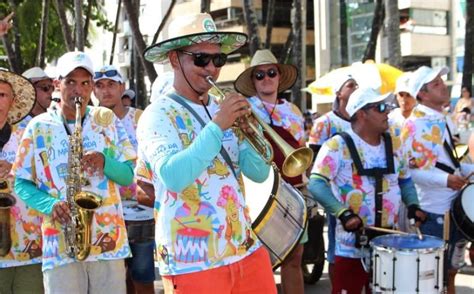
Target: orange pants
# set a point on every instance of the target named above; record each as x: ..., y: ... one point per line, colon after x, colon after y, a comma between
x: 252, y: 274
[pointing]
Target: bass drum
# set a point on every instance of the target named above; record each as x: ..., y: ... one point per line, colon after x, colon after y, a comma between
x: 278, y: 213
x: 462, y: 212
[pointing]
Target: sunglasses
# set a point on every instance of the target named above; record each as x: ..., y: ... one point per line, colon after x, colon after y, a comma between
x: 271, y: 73
x: 380, y: 107
x: 203, y: 59
x: 45, y: 88
x: 108, y: 74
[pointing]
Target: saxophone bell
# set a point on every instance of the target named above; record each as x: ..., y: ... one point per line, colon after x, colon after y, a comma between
x: 7, y: 201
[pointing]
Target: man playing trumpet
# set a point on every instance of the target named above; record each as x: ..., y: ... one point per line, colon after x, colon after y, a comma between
x: 204, y: 236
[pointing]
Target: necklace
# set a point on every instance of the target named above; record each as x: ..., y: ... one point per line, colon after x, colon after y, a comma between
x: 270, y: 113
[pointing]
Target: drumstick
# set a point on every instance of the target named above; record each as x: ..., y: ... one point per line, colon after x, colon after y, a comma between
x: 468, y: 176
x: 417, y: 229
x: 446, y: 226
x: 390, y: 231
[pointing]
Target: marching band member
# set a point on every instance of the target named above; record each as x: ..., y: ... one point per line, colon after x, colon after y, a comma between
x: 204, y: 237
x: 109, y: 90
x: 438, y: 175
x: 20, y: 257
x: 44, y: 90
x: 262, y: 82
x: 42, y: 167
x: 362, y: 162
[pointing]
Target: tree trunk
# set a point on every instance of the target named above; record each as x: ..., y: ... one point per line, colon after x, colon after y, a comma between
x: 205, y: 6
x: 269, y: 20
x: 377, y: 22
x: 468, y: 45
x: 88, y: 18
x: 286, y: 51
x: 252, y: 26
x: 114, y: 38
x: 14, y: 55
x: 163, y: 21
x: 343, y: 33
x: 138, y: 38
x: 66, y: 30
x: 79, y: 25
x: 12, y: 59
x: 43, y: 34
x: 297, y: 27
x: 393, y: 33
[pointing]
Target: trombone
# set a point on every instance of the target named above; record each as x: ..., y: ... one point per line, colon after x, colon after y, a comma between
x: 296, y: 162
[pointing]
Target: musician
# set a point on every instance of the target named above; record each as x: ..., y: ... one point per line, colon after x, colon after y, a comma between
x: 204, y: 238
x: 108, y: 88
x: 362, y: 162
x: 324, y: 128
x: 42, y: 167
x: 406, y: 103
x: 128, y: 98
x: 44, y: 90
x: 428, y: 136
x: 262, y: 82
x: 20, y: 263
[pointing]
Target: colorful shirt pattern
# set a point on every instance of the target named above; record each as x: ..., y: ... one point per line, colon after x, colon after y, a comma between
x: 358, y: 192
x: 326, y: 126
x: 284, y: 114
x: 43, y: 159
x: 396, y: 121
x: 206, y: 225
x: 25, y: 223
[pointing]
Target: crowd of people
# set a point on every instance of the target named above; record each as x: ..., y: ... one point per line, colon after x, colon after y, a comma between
x: 169, y: 178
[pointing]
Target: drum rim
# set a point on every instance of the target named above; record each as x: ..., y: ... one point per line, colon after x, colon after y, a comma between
x: 389, y: 248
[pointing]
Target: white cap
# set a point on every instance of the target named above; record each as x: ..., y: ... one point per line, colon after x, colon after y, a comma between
x: 363, y: 96
x: 424, y: 75
x: 108, y: 72
x: 337, y: 83
x: 35, y: 74
x: 72, y: 60
x: 403, y: 83
x: 130, y: 93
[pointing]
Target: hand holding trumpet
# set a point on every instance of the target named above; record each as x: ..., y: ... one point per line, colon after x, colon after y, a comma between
x: 234, y: 107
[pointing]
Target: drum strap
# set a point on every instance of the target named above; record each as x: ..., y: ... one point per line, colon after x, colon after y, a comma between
x: 375, y: 172
x: 451, y: 153
x: 223, y: 152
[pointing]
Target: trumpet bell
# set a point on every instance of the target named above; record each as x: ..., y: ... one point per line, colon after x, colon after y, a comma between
x: 297, y: 162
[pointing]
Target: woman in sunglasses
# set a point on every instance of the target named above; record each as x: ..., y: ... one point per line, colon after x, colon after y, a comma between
x: 204, y: 237
x: 262, y: 82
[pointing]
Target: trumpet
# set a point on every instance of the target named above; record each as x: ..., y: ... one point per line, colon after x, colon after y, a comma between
x: 296, y: 162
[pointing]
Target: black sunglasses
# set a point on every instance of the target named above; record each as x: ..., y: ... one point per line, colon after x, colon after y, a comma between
x: 108, y: 73
x: 380, y: 107
x: 203, y: 59
x: 45, y: 88
x: 271, y: 73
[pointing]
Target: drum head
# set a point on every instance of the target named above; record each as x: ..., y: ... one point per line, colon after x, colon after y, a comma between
x: 132, y: 211
x: 258, y: 194
x: 407, y: 242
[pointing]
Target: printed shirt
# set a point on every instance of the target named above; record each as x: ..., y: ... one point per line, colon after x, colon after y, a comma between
x: 358, y: 192
x: 326, y: 126
x: 129, y: 123
x: 206, y: 225
x: 284, y: 114
x: 423, y: 135
x: 25, y: 223
x: 43, y: 159
x: 396, y: 121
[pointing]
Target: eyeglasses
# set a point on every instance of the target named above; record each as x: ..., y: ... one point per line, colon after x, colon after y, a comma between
x: 271, y: 73
x: 380, y: 107
x: 45, y: 88
x: 203, y: 59
x: 109, y: 73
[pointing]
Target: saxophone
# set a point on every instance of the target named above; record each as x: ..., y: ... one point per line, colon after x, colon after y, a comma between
x: 82, y: 204
x: 7, y: 201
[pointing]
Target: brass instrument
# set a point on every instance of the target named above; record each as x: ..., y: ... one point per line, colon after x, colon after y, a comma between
x: 297, y: 161
x: 7, y: 201
x: 82, y: 204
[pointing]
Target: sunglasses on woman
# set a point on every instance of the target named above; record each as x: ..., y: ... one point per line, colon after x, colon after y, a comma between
x: 380, y: 107
x: 271, y: 73
x: 108, y: 73
x: 203, y: 59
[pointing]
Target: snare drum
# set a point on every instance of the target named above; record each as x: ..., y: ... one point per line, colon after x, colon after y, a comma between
x: 406, y: 264
x: 139, y: 221
x: 278, y: 213
x: 462, y: 212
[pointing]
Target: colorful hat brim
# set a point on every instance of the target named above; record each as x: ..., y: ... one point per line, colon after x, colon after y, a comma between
x: 24, y: 96
x: 245, y: 86
x: 229, y: 41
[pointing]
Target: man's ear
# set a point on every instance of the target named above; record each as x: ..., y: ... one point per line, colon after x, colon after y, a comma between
x: 173, y: 57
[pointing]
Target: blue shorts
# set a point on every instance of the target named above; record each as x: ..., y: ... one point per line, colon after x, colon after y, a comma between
x: 142, y: 265
x: 330, y: 256
x: 434, y: 226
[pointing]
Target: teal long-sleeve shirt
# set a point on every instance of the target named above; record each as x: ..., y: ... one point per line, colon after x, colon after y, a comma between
x: 119, y: 172
x: 321, y: 191
x: 179, y: 170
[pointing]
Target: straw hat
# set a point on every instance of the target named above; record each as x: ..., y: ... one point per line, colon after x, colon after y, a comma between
x: 193, y: 29
x: 288, y: 74
x: 24, y: 96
